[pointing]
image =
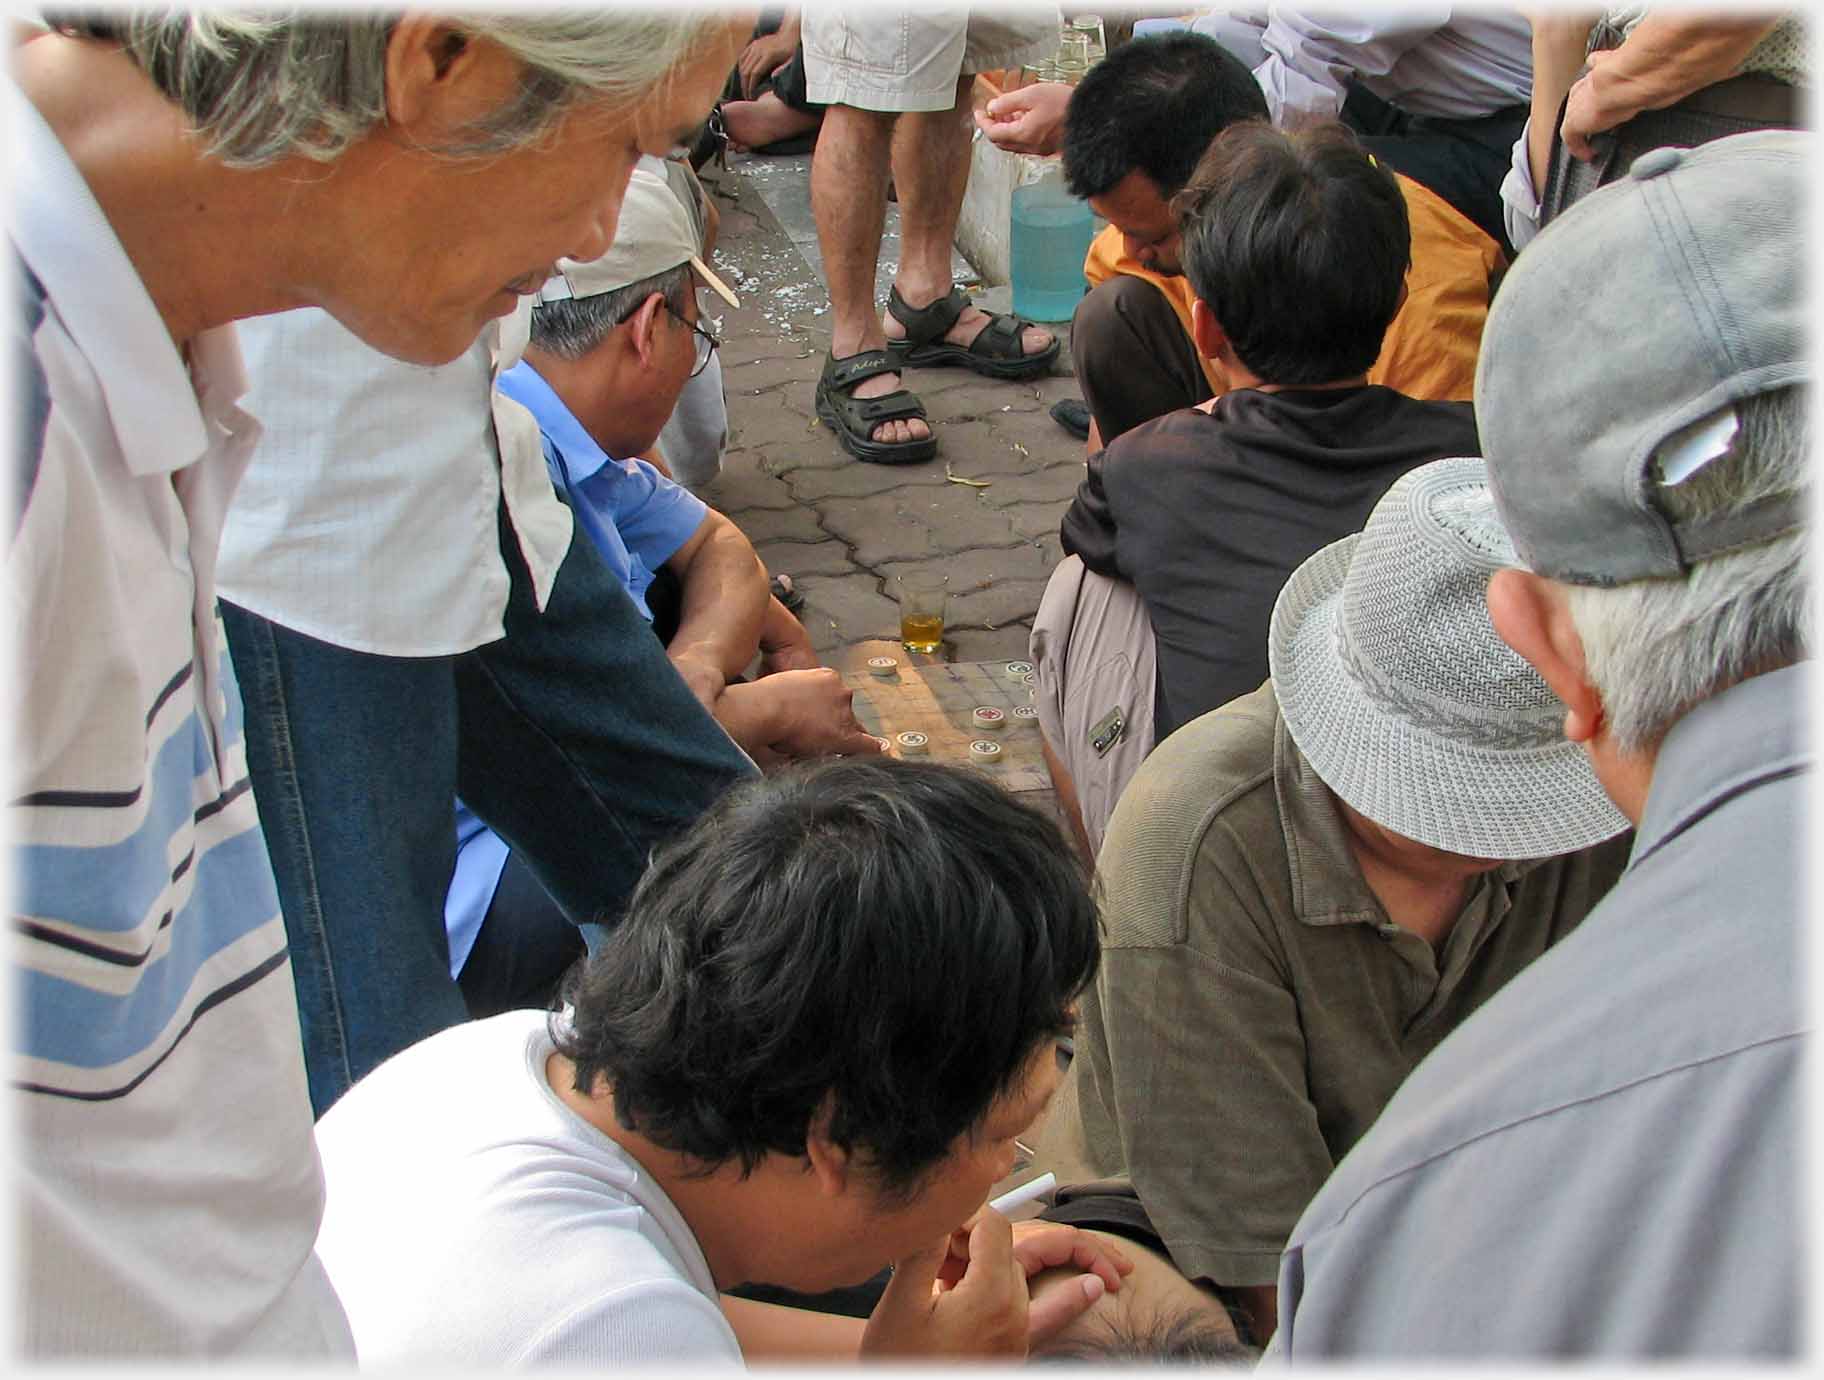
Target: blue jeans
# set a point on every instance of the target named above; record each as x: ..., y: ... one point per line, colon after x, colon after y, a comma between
x: 572, y: 736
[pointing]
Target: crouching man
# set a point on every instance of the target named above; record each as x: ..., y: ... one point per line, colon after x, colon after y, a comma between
x: 803, y: 1055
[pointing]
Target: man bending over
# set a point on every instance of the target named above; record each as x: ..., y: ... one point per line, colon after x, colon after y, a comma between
x: 803, y: 1055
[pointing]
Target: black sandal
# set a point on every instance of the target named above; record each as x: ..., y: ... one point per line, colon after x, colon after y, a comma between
x: 995, y: 352
x: 853, y: 419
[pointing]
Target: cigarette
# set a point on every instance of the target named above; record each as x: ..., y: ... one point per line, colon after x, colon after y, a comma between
x: 1025, y: 1193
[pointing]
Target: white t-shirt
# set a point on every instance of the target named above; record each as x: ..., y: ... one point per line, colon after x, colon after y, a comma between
x: 474, y: 1219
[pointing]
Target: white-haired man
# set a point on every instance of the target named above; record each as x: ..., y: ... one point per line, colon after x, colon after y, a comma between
x: 1605, y: 1160
x: 173, y: 172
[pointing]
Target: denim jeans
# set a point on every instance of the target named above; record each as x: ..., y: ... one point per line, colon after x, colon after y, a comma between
x: 572, y: 736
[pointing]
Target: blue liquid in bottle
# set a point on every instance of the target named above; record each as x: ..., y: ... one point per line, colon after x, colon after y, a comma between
x: 1051, y: 231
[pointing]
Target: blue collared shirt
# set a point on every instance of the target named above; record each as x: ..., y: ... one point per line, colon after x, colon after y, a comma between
x: 637, y: 519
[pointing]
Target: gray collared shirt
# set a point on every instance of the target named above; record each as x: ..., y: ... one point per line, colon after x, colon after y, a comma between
x: 1255, y: 1007
x: 1605, y: 1161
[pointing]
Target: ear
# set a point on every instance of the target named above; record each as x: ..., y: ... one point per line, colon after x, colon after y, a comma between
x: 1531, y: 615
x: 440, y: 80
x: 643, y: 327
x: 830, y: 1163
x: 1206, y: 331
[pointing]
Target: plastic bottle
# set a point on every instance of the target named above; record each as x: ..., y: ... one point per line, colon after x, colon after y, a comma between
x: 1050, y: 234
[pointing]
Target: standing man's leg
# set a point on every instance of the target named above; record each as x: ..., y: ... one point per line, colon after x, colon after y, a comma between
x: 897, y: 86
x: 353, y: 763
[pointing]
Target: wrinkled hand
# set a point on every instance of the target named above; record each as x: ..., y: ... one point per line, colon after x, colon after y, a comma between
x: 966, y: 1296
x: 810, y: 714
x: 785, y: 645
x: 1029, y: 119
x: 1584, y: 112
x: 761, y: 58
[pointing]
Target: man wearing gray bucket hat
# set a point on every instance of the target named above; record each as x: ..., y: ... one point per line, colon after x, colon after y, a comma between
x: 1308, y: 888
x: 1604, y: 1161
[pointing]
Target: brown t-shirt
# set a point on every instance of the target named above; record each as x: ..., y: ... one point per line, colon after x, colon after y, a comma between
x: 1255, y: 1008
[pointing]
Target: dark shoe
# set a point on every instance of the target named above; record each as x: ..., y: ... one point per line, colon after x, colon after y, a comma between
x: 854, y: 419
x: 1073, y: 415
x: 787, y: 593
x: 995, y: 352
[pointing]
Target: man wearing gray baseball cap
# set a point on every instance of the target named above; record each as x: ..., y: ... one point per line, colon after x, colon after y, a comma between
x: 1604, y: 1160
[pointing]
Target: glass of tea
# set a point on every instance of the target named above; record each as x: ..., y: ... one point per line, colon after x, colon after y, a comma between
x: 923, y: 595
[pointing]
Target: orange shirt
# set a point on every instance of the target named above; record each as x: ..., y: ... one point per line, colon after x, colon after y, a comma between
x: 1430, y: 349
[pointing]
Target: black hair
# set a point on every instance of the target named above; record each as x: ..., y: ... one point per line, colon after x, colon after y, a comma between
x: 1299, y: 245
x: 1153, y: 105
x: 889, y: 941
x: 1181, y: 1338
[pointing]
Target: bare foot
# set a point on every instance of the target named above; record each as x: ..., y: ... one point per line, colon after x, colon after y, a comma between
x: 757, y: 123
x: 969, y: 325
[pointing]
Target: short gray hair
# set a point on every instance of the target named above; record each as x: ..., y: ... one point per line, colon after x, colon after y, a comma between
x: 573, y: 326
x: 262, y: 85
x: 1655, y: 649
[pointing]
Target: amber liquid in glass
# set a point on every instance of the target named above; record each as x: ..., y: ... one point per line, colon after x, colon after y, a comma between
x: 921, y: 632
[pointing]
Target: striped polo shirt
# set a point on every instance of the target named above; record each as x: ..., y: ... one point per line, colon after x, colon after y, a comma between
x: 167, y: 1180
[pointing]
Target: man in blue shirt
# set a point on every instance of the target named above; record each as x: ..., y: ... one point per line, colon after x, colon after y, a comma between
x: 614, y: 341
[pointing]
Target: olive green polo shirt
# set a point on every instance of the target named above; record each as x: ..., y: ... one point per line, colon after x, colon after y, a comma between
x: 1255, y: 1008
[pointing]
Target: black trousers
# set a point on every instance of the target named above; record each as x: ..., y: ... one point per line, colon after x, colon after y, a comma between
x: 1463, y: 161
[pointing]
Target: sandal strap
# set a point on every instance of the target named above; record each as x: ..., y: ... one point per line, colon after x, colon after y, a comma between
x: 850, y: 370
x: 1000, y: 338
x: 926, y: 324
x: 901, y: 404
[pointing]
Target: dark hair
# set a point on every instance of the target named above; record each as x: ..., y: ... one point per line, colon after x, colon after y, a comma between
x: 892, y: 940
x: 1153, y: 105
x: 1180, y: 1337
x: 1299, y: 244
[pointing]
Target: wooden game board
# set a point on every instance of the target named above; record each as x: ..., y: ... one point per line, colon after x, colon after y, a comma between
x: 938, y: 699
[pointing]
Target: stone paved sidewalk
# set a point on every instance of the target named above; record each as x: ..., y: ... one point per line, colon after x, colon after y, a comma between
x: 842, y: 529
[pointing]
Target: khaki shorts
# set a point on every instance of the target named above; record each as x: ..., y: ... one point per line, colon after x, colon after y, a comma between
x: 1094, y: 664
x: 909, y: 57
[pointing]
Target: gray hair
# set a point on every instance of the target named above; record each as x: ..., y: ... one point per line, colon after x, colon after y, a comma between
x: 262, y: 85
x: 1655, y: 649
x: 573, y: 326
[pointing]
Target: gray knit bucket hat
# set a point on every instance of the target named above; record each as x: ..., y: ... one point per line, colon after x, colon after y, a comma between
x: 1404, y: 700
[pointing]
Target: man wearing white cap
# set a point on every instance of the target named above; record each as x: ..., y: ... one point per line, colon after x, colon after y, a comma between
x: 613, y: 342
x: 1605, y: 1160
x: 1310, y: 887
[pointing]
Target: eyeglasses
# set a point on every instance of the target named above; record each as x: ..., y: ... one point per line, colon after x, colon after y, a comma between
x: 706, y: 342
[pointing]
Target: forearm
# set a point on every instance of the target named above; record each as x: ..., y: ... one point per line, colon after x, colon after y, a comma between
x: 1668, y: 57
x: 1559, y: 44
x: 724, y: 603
x: 773, y: 1332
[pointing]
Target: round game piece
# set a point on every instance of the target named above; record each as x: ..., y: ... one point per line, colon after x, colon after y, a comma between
x: 882, y: 665
x: 988, y: 719
x: 912, y: 744
x: 1025, y: 711
x: 1030, y: 678
x: 984, y: 752
x: 1017, y: 669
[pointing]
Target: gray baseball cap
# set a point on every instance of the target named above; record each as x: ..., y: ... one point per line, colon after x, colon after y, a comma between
x: 1618, y: 344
